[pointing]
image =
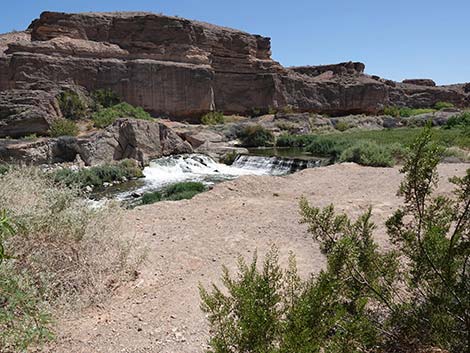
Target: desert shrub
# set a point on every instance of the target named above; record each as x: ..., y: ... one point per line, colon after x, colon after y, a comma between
x: 105, y: 98
x: 151, y: 197
x: 174, y: 192
x: 107, y: 116
x: 459, y: 120
x: 229, y: 157
x: 71, y: 105
x: 256, y: 136
x: 72, y: 252
x: 286, y: 126
x: 327, y: 146
x: 443, y: 105
x: 407, y: 298
x: 369, y: 154
x: 406, y: 112
x: 98, y: 175
x: 23, y: 318
x: 30, y: 137
x: 391, y: 111
x: 4, y: 168
x: 288, y: 140
x: 62, y: 127
x: 342, y: 126
x: 213, y: 118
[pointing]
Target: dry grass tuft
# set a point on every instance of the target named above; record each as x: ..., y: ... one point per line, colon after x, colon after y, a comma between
x: 76, y: 254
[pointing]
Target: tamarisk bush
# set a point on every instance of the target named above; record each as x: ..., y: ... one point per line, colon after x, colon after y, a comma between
x: 408, y: 299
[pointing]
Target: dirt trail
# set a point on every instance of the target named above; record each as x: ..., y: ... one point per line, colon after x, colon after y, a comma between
x: 188, y: 242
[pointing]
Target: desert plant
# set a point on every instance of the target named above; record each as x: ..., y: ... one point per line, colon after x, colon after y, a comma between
x: 73, y: 253
x: 412, y: 296
x: 62, y: 127
x: 443, y: 105
x: 213, y: 118
x: 229, y: 157
x: 98, y: 175
x: 368, y: 153
x: 107, y: 116
x: 459, y: 120
x: 105, y: 98
x: 174, y: 192
x: 342, y: 126
x: 256, y: 136
x: 71, y: 105
x: 4, y: 168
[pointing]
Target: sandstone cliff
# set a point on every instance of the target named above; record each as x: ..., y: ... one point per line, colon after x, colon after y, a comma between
x: 183, y: 69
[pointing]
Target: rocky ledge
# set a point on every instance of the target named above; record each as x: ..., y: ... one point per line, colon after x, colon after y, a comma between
x: 183, y: 68
x: 126, y: 138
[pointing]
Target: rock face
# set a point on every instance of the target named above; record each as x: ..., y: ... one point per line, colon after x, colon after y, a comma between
x: 183, y: 69
x: 421, y: 82
x: 126, y: 138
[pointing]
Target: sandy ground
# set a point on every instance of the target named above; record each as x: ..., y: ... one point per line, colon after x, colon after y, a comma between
x: 188, y: 242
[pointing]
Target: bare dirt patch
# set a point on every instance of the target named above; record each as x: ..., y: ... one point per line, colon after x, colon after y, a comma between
x: 188, y: 242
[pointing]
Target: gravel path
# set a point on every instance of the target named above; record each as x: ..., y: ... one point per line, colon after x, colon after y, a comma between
x: 188, y: 242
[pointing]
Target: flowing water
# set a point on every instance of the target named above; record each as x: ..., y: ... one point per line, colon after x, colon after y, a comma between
x: 198, y: 167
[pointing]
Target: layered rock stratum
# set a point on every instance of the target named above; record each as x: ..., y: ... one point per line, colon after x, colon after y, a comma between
x: 182, y: 69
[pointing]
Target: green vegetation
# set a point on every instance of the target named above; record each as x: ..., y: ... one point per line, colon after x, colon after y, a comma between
x: 4, y: 168
x: 256, y: 136
x: 443, y: 105
x: 179, y: 191
x: 107, y: 116
x: 98, y: 175
x: 459, y: 121
x: 30, y: 137
x: 406, y: 112
x: 213, y: 118
x: 105, y: 98
x: 229, y: 158
x: 408, y: 298
x: 62, y: 127
x: 71, y: 105
x: 342, y: 126
x: 369, y: 153
x: 389, y: 141
x: 62, y: 255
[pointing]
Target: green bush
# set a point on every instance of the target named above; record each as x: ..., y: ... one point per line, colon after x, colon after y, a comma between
x: 98, y: 175
x: 256, y: 136
x: 288, y: 140
x: 406, y: 112
x: 327, y: 146
x: 105, y: 98
x: 391, y: 111
x: 342, y: 126
x: 229, y: 157
x: 407, y: 298
x: 4, y: 168
x: 443, y: 105
x: 459, y: 120
x: 71, y: 105
x: 174, y: 192
x: 213, y: 118
x: 62, y: 127
x: 369, y: 154
x: 107, y: 116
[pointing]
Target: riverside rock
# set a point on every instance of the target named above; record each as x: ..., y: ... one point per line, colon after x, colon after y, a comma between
x: 125, y: 138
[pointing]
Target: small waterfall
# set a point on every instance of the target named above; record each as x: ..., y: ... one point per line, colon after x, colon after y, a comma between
x: 198, y: 167
x: 275, y: 165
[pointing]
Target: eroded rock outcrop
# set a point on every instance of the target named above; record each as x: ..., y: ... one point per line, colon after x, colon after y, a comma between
x: 125, y: 138
x: 183, y: 69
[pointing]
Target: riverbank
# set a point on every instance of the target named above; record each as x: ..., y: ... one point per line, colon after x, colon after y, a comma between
x: 188, y: 242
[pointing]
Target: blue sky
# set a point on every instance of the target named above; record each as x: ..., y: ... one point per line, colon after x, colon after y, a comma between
x: 396, y: 39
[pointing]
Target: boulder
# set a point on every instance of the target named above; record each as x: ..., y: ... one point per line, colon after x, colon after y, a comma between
x: 135, y: 139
